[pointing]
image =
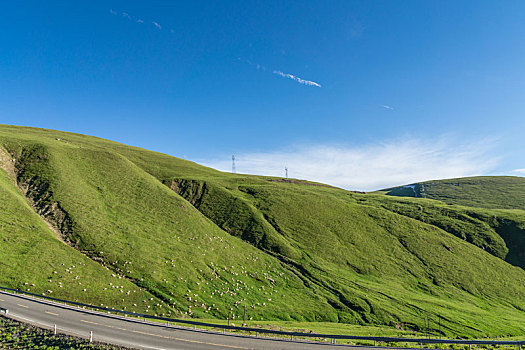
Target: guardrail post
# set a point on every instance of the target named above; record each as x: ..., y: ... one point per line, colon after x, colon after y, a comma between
x: 470, y: 347
x: 292, y: 337
x: 375, y: 343
x: 55, y: 330
x: 91, y: 336
x: 168, y: 323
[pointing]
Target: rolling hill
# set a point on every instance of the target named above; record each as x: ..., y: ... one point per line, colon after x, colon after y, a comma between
x: 492, y: 192
x: 93, y: 220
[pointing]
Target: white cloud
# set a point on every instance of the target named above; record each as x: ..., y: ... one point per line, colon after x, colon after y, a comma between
x: 278, y: 72
x: 256, y: 65
x: 370, y: 167
x: 134, y: 19
x: 297, y: 79
x: 388, y: 107
x: 519, y: 171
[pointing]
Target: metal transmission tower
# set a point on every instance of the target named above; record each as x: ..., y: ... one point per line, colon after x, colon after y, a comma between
x: 286, y: 171
x: 233, y: 165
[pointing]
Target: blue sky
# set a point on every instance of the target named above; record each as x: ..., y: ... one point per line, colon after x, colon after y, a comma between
x: 360, y: 94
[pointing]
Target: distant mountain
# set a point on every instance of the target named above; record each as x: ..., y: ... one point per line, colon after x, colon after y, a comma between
x: 93, y: 220
x: 504, y: 192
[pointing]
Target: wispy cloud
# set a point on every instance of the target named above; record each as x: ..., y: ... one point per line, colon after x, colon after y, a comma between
x: 126, y: 15
x: 297, y: 79
x: 256, y: 65
x: 518, y: 171
x: 138, y: 20
x: 388, y: 107
x: 371, y: 167
x: 278, y: 72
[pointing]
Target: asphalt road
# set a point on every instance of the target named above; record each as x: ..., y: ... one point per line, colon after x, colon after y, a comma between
x: 135, y: 333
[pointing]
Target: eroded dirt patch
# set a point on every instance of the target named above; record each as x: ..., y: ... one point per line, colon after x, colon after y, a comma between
x: 7, y: 163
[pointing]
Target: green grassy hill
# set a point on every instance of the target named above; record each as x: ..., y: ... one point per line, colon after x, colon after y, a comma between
x: 493, y: 192
x: 93, y: 220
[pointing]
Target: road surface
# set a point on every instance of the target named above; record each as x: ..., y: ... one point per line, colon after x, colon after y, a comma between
x: 135, y: 333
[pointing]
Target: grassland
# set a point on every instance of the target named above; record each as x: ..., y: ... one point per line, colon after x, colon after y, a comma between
x: 135, y: 229
x: 491, y: 192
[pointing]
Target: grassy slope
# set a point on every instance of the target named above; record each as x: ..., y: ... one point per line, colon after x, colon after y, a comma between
x: 300, y: 213
x: 34, y: 259
x: 286, y: 250
x: 141, y: 229
x: 499, y: 232
x: 474, y: 211
x: 383, y: 265
x: 492, y: 192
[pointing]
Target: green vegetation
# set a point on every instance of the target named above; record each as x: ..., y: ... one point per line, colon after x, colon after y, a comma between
x: 152, y: 233
x: 16, y: 335
x: 499, y: 232
x: 373, y: 331
x: 492, y: 192
x: 331, y: 328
